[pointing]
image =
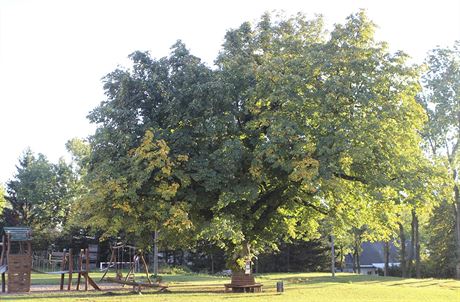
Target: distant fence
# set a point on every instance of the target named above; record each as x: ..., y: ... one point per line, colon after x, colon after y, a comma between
x: 125, y: 265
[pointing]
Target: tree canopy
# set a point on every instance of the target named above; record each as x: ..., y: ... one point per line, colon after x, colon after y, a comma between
x: 441, y: 100
x: 291, y: 124
x: 40, y: 195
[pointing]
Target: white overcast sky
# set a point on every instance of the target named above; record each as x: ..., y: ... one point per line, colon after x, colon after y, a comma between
x: 53, y: 54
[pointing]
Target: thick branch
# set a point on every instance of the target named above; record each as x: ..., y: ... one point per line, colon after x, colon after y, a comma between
x: 449, y: 155
x: 313, y: 206
x: 350, y: 177
x: 432, y: 145
x: 454, y: 150
x: 262, y: 201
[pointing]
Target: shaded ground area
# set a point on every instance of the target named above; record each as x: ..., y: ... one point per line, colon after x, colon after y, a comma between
x: 55, y: 288
x: 319, y: 287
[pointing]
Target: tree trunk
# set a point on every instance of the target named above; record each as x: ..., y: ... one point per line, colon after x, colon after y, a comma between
x: 386, y: 253
x: 354, y: 262
x: 288, y: 259
x: 457, y: 229
x: 332, y: 256
x: 247, y: 250
x: 155, y: 253
x: 25, y: 215
x: 410, y: 258
x: 341, y: 259
x: 417, y: 247
x: 244, y: 272
x: 212, y: 264
x: 402, y: 255
x: 238, y: 254
x: 358, y: 263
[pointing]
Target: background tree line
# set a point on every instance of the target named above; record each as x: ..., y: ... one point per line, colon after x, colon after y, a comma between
x: 294, y: 135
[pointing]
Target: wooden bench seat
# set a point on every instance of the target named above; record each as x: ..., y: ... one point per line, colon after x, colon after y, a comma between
x: 249, y: 288
x: 243, y: 283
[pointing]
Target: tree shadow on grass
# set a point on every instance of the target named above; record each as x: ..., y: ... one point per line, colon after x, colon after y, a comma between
x: 35, y: 296
x: 179, y: 288
x: 248, y: 296
x: 86, y: 295
x: 343, y: 279
x: 325, y: 281
x: 125, y: 294
x: 339, y: 279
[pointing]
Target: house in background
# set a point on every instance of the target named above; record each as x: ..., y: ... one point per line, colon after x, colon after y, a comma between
x: 372, y: 258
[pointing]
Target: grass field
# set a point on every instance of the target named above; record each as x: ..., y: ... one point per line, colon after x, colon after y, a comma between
x: 313, y: 287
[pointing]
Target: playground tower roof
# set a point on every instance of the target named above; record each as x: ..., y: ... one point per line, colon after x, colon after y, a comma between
x: 18, y: 233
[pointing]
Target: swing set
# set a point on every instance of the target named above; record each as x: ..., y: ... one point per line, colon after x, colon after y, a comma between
x: 121, y: 255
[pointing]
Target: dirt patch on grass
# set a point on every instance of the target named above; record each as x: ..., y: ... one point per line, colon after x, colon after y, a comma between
x: 39, y: 288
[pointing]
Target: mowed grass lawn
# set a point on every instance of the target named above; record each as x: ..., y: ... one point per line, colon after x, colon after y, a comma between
x: 298, y: 287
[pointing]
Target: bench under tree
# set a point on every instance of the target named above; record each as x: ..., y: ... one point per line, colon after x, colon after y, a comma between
x: 243, y: 283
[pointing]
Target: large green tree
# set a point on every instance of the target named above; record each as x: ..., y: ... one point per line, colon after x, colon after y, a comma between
x: 441, y: 99
x: 441, y: 241
x: 40, y: 195
x: 250, y: 150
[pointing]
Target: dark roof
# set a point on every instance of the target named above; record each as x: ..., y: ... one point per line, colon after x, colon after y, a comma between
x: 18, y: 233
x: 372, y: 252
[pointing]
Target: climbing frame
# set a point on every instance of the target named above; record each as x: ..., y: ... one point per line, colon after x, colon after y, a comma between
x: 16, y: 259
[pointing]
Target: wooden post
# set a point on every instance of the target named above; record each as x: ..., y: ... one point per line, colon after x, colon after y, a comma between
x: 3, y: 282
x: 86, y: 251
x: 64, y: 260
x: 131, y: 269
x: 2, y: 257
x: 8, y: 251
x: 91, y: 281
x: 8, y: 248
x: 79, y: 270
x: 112, y: 259
x: 146, y: 268
x: 69, y: 287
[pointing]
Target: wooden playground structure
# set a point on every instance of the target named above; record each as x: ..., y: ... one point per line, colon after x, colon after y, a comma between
x: 134, y: 259
x: 16, y: 262
x: 16, y: 259
x: 67, y: 262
